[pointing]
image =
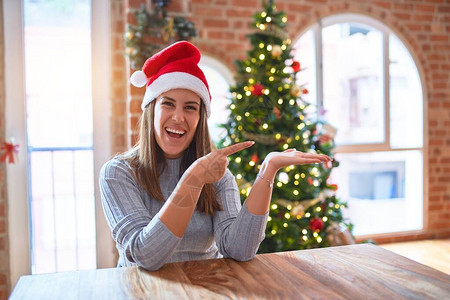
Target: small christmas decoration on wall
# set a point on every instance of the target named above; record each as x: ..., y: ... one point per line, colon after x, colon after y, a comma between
x: 154, y: 31
x: 9, y: 152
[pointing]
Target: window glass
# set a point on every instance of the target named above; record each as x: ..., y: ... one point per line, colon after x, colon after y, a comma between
x: 406, y: 106
x: 58, y: 73
x: 382, y: 195
x: 384, y: 189
x: 353, y: 82
x: 219, y: 89
x: 305, y: 53
x: 57, y: 41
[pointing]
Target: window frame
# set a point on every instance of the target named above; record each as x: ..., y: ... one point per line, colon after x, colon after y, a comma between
x: 385, y: 146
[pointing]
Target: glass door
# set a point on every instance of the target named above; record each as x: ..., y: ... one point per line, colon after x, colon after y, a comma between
x: 57, y: 44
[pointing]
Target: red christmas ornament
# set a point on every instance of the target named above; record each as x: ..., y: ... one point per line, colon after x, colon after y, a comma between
x: 254, y: 158
x: 277, y: 113
x: 328, y: 165
x: 316, y: 224
x: 257, y: 89
x: 325, y: 138
x: 295, y: 66
x: 10, y: 152
x: 310, y: 181
x: 333, y: 187
x: 305, y: 91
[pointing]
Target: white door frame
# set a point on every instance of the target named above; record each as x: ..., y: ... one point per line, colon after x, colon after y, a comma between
x: 101, y: 62
x: 15, y: 121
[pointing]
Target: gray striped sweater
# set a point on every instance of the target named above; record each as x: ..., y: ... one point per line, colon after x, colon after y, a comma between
x: 142, y: 239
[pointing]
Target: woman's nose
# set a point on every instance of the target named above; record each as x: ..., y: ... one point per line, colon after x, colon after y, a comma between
x: 178, y: 115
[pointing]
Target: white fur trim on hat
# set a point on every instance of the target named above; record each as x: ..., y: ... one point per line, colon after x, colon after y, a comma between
x: 177, y: 80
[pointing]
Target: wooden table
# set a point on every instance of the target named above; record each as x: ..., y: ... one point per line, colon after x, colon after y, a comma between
x: 349, y: 272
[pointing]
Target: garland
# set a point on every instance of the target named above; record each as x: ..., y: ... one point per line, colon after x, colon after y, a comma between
x: 153, y: 32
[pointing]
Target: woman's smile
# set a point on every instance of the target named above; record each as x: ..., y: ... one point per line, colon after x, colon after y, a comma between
x: 177, y: 113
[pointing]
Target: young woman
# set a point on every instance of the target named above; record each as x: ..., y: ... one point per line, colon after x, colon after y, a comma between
x: 171, y: 198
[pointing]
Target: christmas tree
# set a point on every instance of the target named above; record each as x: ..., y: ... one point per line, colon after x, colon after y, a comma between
x: 267, y: 107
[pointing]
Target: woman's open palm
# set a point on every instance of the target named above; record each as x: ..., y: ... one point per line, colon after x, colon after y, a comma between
x: 289, y: 157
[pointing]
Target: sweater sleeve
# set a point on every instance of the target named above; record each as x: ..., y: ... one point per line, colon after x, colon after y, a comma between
x: 238, y: 232
x: 143, y: 238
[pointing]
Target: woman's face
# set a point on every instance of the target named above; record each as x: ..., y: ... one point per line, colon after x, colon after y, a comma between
x: 177, y: 113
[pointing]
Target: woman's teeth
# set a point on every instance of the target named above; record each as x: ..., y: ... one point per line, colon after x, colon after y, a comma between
x: 174, y: 132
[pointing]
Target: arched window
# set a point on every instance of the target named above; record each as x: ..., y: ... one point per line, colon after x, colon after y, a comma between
x: 219, y: 80
x: 365, y: 82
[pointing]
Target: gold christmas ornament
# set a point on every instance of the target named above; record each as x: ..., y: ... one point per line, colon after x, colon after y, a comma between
x: 295, y: 91
x: 129, y: 35
x: 276, y: 51
x: 167, y: 31
x: 129, y: 51
x: 298, y: 208
x: 338, y: 235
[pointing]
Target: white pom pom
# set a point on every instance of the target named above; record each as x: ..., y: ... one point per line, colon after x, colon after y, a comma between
x: 138, y: 79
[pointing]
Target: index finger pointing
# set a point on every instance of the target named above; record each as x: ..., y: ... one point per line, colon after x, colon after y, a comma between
x: 236, y: 147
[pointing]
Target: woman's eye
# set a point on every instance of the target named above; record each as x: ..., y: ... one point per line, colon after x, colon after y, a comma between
x: 167, y: 103
x: 191, y: 107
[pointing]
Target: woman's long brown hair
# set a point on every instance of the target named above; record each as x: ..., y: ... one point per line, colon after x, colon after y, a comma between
x: 148, y: 161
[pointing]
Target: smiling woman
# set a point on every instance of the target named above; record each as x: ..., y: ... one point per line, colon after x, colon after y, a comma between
x: 171, y: 198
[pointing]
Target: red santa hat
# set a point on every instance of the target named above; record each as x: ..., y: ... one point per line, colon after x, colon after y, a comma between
x: 175, y: 67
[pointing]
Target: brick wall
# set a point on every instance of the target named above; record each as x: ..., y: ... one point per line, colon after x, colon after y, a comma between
x: 4, y: 254
x: 423, y: 24
x: 118, y: 76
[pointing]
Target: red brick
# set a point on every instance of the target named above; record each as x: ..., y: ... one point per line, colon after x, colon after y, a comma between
x: 177, y: 6
x: 403, y: 6
x: 135, y: 3
x: 441, y: 48
x: 131, y: 19
x: 437, y: 189
x: 435, y: 37
x: 383, y: 4
x: 424, y: 7
x: 3, y: 279
x: 208, y: 11
x: 435, y: 207
x: 436, y: 142
x: 201, y: 1
x: 240, y: 13
x: 299, y: 8
x: 402, y: 16
x: 247, y: 3
x: 422, y: 17
x: 414, y: 27
x: 434, y: 199
x: 444, y: 9
x: 215, y: 23
x: 135, y: 107
x: 3, y: 293
x: 221, y: 35
x: 134, y: 139
x: 439, y: 85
